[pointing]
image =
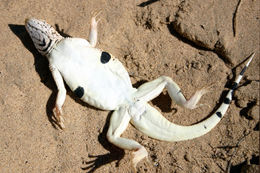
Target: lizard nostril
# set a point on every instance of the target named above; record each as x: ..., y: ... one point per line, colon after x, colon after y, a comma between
x: 26, y: 20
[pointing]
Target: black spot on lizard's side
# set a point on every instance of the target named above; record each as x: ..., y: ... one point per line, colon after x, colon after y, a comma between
x: 79, y: 92
x: 219, y: 114
x: 105, y: 57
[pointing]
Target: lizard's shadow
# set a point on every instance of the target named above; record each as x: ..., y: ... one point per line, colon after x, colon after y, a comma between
x: 115, y: 154
x: 42, y: 68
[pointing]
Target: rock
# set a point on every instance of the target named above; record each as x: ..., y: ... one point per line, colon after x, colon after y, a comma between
x: 195, y: 25
x: 210, y: 25
x: 187, y: 157
x: 241, y: 103
x: 254, y: 113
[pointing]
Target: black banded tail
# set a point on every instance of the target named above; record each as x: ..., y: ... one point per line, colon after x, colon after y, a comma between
x: 227, y: 100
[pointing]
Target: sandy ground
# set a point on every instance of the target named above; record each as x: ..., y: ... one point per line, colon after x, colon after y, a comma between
x: 196, y: 43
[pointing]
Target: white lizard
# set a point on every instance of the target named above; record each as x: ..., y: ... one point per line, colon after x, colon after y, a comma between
x: 99, y: 79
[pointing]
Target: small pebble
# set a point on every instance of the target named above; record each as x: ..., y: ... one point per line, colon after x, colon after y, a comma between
x: 187, y: 157
x: 241, y: 103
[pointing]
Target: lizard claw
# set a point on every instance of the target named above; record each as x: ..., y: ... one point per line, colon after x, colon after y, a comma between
x: 206, y: 90
x: 192, y: 102
x: 58, y: 116
x: 138, y: 155
x: 94, y: 22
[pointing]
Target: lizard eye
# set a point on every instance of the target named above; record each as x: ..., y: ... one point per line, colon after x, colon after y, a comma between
x: 105, y: 57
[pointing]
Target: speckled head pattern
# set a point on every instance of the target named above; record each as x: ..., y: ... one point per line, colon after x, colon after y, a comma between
x: 44, y: 36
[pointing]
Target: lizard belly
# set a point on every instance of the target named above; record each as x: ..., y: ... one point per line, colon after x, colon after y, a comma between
x: 100, y: 92
x: 91, y: 80
x: 96, y: 86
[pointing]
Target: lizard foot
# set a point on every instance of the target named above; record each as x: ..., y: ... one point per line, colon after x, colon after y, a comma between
x: 58, y: 116
x: 192, y: 102
x: 93, y: 29
x: 203, y: 91
x: 94, y: 22
x: 138, y: 155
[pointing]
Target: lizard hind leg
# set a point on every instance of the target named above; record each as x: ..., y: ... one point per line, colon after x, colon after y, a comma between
x: 152, y: 89
x: 118, y: 123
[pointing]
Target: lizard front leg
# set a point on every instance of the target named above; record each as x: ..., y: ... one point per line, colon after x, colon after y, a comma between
x: 93, y: 30
x: 118, y: 123
x: 57, y: 111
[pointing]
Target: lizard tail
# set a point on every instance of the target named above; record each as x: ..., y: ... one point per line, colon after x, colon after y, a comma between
x: 153, y: 124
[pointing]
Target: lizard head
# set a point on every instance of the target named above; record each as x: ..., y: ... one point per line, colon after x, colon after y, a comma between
x: 43, y: 35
